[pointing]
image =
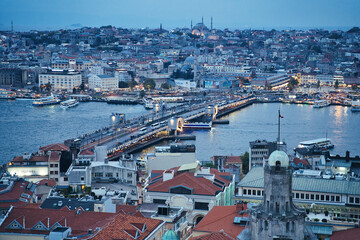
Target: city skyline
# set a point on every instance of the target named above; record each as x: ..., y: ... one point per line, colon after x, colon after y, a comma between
x: 40, y: 15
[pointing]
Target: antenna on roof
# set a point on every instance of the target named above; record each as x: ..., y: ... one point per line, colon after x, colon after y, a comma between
x: 278, y: 140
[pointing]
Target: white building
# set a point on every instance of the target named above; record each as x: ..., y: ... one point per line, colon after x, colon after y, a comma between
x: 103, y: 82
x: 122, y: 75
x: 170, y: 156
x: 60, y: 79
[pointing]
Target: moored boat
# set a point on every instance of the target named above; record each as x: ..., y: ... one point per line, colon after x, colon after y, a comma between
x: 50, y: 100
x: 69, y: 103
x: 8, y: 95
x: 355, y: 106
x: 321, y: 103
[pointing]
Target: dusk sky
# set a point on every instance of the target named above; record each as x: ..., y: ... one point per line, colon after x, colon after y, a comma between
x: 240, y: 14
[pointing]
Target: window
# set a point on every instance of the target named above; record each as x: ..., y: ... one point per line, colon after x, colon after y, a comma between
x: 351, y: 199
x: 302, y: 196
x: 249, y: 192
x: 56, y: 172
x: 201, y: 206
x: 297, y: 195
x: 322, y: 197
x: 129, y: 175
x: 51, y: 165
x: 108, y: 174
x: 307, y: 196
x: 327, y: 198
x: 51, y: 172
x: 357, y: 200
x: 254, y: 192
x: 312, y: 196
x: 56, y: 165
x: 258, y: 192
x: 65, y: 179
x: 98, y: 174
x: 333, y: 198
x: 338, y: 198
x: 317, y: 197
x: 244, y: 191
x: 82, y: 179
x: 161, y: 201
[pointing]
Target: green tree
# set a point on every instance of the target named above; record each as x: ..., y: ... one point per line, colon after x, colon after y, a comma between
x: 123, y: 84
x: 336, y: 85
x: 132, y: 83
x: 149, y: 84
x: 245, y: 162
x: 354, y: 87
x: 165, y: 86
x: 48, y: 86
x: 142, y: 93
x: 292, y: 83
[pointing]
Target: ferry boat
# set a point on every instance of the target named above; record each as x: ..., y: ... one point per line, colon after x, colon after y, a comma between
x: 355, y: 106
x: 321, y: 103
x: 51, y: 100
x: 8, y: 95
x: 197, y: 125
x: 69, y: 103
x: 324, y: 143
x: 149, y: 104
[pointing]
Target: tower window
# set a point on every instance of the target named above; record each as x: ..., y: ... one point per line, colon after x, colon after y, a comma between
x: 277, y: 206
x: 278, y: 165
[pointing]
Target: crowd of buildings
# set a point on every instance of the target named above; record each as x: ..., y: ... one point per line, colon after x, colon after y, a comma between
x: 63, y: 191
x: 198, y: 56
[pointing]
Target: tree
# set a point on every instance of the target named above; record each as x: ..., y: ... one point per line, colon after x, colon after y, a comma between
x: 165, y: 86
x: 123, y: 84
x: 48, y: 86
x: 149, y: 84
x: 293, y: 83
x: 354, y: 87
x: 336, y: 85
x: 132, y: 83
x: 318, y: 84
x: 245, y: 162
x: 142, y: 93
x: 82, y: 87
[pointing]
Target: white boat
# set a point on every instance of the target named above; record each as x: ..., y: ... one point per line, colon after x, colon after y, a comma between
x: 8, y: 95
x: 197, y: 125
x: 69, y: 103
x: 149, y: 104
x: 51, y: 100
x: 355, y: 106
x: 320, y: 143
x: 321, y: 103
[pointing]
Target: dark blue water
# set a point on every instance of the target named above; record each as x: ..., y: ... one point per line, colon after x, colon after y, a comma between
x: 300, y: 123
x: 23, y: 128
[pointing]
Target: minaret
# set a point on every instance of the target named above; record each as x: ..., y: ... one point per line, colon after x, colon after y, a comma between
x: 211, y: 23
x: 202, y: 20
x: 12, y: 26
x: 191, y: 27
x: 160, y: 26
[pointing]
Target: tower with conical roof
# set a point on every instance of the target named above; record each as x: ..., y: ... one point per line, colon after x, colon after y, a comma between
x: 277, y: 217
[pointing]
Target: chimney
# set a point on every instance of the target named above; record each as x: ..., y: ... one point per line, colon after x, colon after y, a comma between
x: 168, y: 175
x: 239, y: 206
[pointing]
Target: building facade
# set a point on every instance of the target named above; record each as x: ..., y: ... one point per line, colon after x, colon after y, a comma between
x: 61, y: 80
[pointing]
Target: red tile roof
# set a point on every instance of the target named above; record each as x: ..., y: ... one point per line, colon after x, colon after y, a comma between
x: 125, y: 226
x: 79, y: 223
x: 353, y: 233
x: 86, y: 152
x: 47, y: 182
x: 43, y: 158
x: 222, y: 218
x: 198, y: 184
x: 297, y: 161
x: 127, y: 209
x: 55, y: 147
x: 55, y: 156
x: 214, y: 236
x: 15, y: 193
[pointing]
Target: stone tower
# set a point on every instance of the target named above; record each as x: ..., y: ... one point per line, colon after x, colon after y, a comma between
x: 277, y: 217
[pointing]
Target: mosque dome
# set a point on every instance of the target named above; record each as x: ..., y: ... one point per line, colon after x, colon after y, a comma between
x: 280, y: 156
x: 170, y: 235
x: 190, y: 60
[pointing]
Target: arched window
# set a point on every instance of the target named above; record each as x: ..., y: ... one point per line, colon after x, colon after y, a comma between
x: 287, y: 226
x: 266, y: 225
x: 277, y: 165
